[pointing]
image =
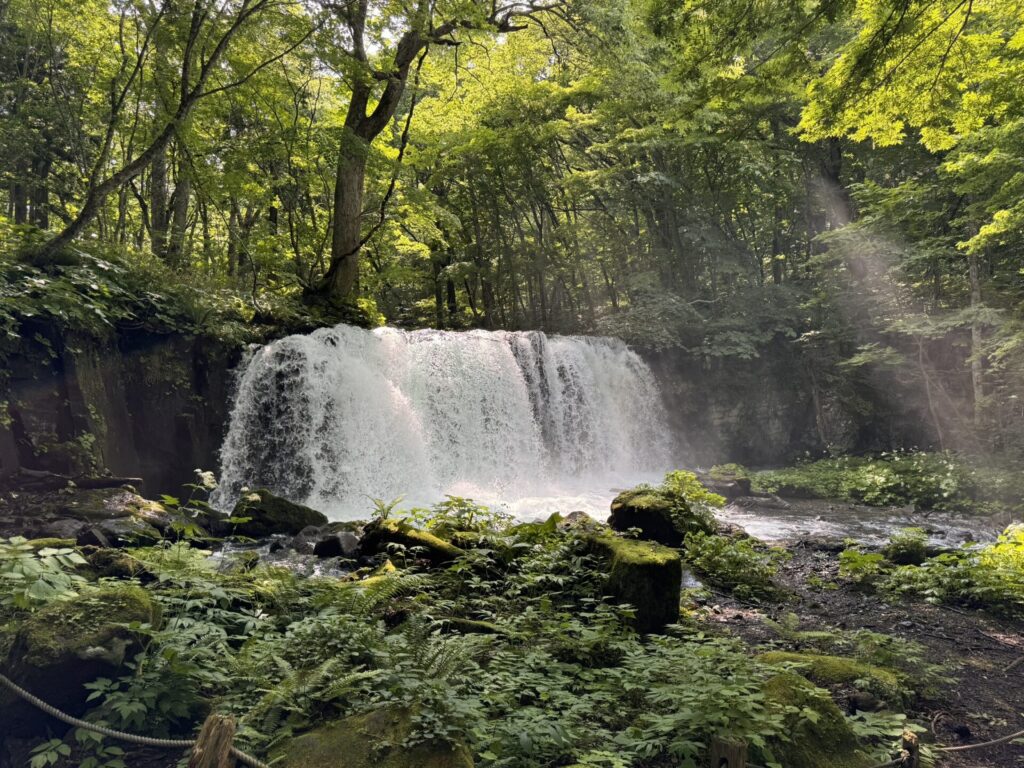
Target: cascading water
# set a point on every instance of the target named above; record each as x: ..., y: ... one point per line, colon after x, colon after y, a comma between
x: 342, y: 414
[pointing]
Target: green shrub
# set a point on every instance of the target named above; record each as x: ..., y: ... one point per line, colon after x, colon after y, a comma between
x: 741, y: 565
x: 907, y: 547
x: 864, y: 568
x: 990, y: 577
x: 927, y: 480
x: 31, y: 576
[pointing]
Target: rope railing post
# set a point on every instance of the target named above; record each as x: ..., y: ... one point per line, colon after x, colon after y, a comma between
x: 131, y: 738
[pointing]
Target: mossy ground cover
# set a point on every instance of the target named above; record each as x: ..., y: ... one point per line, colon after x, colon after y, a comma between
x: 518, y: 650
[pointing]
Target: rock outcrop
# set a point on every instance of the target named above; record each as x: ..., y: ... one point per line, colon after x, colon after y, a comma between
x: 265, y: 514
x: 644, y: 574
x: 66, y: 644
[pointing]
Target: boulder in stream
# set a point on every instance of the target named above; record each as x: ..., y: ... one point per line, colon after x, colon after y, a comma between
x: 266, y: 514
x: 380, y: 533
x: 659, y: 516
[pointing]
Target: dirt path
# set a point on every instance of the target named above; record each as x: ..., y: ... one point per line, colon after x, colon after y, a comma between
x: 983, y: 653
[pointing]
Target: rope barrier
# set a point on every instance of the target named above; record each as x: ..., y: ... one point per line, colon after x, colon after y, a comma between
x: 148, y: 741
x: 131, y: 738
x: 992, y: 743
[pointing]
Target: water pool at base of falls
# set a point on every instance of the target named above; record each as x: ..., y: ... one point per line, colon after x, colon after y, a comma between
x: 520, y: 420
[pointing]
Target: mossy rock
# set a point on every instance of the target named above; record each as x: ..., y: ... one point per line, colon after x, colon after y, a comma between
x: 114, y: 563
x: 836, y: 670
x: 644, y: 574
x: 380, y: 533
x: 95, y: 505
x: 828, y: 742
x: 268, y: 514
x: 369, y: 741
x: 659, y: 516
x: 50, y: 543
x: 68, y: 643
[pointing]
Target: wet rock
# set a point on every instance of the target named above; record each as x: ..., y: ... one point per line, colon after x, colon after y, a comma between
x: 344, y: 544
x: 821, y: 544
x: 266, y: 514
x: 306, y: 539
x: 823, y: 741
x: 114, y: 563
x: 70, y: 512
x: 732, y: 487
x: 120, y: 532
x: 862, y: 701
x: 840, y: 671
x: 659, y: 517
x: 762, y: 502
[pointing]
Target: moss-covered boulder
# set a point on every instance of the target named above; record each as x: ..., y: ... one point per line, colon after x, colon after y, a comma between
x: 266, y: 514
x: 660, y: 516
x: 839, y: 671
x: 380, y: 533
x: 370, y: 741
x: 644, y: 574
x: 68, y: 643
x: 50, y: 543
x: 113, y: 563
x: 825, y: 741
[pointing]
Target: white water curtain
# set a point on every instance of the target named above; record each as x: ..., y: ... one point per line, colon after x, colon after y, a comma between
x: 342, y: 414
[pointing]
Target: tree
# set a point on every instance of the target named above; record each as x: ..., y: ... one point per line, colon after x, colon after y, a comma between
x: 382, y: 77
x: 199, y: 37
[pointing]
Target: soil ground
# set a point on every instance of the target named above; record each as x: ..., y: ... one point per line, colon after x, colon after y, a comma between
x: 984, y: 654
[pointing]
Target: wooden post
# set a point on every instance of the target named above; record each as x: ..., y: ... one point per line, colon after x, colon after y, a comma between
x: 911, y: 750
x: 728, y: 753
x: 213, y: 747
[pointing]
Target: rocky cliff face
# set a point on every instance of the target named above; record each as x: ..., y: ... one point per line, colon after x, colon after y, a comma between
x: 151, y: 405
x: 136, y: 403
x: 775, y: 408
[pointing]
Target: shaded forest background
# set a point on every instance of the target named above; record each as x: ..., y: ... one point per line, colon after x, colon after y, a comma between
x: 833, y: 187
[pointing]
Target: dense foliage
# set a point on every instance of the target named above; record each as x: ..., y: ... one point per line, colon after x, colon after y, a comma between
x: 714, y: 177
x: 989, y: 576
x: 922, y: 480
x: 511, y: 649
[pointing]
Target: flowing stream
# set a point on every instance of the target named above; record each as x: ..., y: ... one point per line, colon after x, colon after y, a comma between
x: 537, y: 423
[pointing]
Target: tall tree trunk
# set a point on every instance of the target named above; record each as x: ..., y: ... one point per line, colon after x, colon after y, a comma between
x: 158, y: 203
x: 179, y: 216
x: 777, y: 262
x: 19, y: 202
x: 343, y: 274
x: 977, y: 382
x: 40, y: 195
x: 233, y: 236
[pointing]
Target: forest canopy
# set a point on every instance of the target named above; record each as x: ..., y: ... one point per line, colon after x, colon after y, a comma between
x: 712, y: 176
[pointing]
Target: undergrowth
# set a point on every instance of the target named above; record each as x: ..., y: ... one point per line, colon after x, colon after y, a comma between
x: 561, y: 678
x: 940, y: 481
x: 978, y: 576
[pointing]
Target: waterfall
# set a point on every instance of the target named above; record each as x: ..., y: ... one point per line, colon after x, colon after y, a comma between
x: 342, y: 414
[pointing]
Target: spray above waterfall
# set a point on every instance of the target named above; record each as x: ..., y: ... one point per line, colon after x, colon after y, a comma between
x: 343, y: 414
